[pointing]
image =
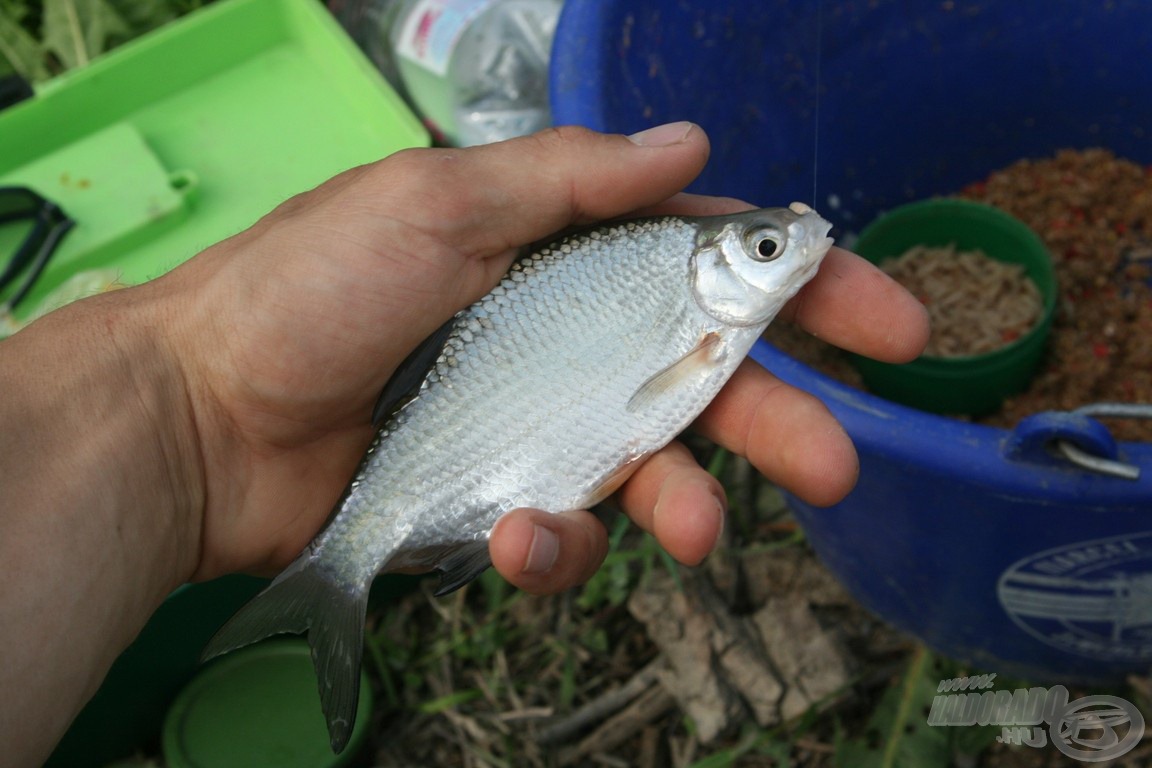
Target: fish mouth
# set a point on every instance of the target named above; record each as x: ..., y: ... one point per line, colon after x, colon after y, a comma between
x: 811, y: 232
x: 817, y: 246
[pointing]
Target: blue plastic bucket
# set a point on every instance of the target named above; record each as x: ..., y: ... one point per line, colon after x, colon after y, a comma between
x: 979, y: 541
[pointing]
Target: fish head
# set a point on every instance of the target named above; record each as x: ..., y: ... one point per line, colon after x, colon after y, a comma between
x: 747, y: 265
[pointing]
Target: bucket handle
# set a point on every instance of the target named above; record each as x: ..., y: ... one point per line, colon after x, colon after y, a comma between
x: 1076, y: 437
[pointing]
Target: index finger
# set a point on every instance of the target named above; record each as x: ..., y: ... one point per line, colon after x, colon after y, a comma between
x: 853, y: 304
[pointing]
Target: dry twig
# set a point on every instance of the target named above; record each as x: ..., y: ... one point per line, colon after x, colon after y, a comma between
x: 603, y: 706
x: 651, y: 705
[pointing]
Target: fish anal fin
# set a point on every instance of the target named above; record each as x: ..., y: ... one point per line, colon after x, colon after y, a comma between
x: 698, y: 358
x: 461, y: 565
x: 306, y: 598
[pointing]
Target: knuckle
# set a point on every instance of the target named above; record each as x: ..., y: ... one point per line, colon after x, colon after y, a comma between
x: 562, y: 137
x: 407, y: 162
x: 412, y: 170
x: 429, y: 184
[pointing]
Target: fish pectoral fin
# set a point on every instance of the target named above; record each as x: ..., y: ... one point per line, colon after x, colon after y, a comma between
x: 461, y: 565
x: 410, y: 374
x: 307, y: 598
x: 696, y: 360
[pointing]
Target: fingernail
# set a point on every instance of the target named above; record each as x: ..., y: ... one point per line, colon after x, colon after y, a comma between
x: 662, y: 135
x: 544, y: 550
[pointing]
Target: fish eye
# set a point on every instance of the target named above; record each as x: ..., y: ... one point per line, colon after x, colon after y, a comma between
x: 767, y: 248
x: 765, y: 244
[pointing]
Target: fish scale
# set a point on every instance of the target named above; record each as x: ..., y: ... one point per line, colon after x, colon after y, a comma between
x: 591, y: 354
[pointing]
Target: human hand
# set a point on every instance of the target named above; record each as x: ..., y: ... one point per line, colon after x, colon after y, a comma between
x: 207, y: 421
x: 287, y: 332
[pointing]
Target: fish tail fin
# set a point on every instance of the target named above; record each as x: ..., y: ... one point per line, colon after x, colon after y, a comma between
x: 306, y: 598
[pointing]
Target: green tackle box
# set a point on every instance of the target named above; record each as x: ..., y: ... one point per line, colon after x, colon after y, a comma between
x: 159, y: 149
x: 189, y: 134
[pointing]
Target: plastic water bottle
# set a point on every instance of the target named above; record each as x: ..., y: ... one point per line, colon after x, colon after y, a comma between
x: 475, y: 70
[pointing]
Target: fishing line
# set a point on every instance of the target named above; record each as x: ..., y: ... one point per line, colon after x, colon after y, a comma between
x: 819, y: 84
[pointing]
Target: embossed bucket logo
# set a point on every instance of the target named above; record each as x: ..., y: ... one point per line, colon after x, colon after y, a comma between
x: 1092, y: 598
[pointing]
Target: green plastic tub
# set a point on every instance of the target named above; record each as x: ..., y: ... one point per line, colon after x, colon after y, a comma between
x: 971, y: 384
x: 158, y: 150
x: 126, y: 714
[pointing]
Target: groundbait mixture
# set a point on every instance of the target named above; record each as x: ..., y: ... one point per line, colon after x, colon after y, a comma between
x: 976, y: 304
x: 1094, y: 212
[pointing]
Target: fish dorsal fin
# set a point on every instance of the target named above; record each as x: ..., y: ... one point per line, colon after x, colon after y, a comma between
x: 698, y: 358
x: 463, y: 564
x: 408, y: 376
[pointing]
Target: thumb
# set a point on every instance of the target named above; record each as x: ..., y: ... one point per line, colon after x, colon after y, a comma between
x: 486, y: 200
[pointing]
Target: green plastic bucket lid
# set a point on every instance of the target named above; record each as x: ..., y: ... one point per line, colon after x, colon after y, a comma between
x: 258, y: 708
x: 972, y: 384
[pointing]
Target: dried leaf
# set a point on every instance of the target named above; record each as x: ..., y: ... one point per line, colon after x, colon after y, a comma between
x: 144, y: 15
x: 76, y: 31
x: 19, y: 49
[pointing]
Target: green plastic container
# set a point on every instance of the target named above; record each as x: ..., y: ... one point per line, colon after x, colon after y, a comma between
x: 258, y: 708
x: 158, y: 150
x: 189, y: 134
x: 126, y: 713
x: 974, y: 384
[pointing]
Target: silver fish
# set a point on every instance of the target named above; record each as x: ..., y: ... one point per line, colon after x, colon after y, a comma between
x: 592, y: 353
